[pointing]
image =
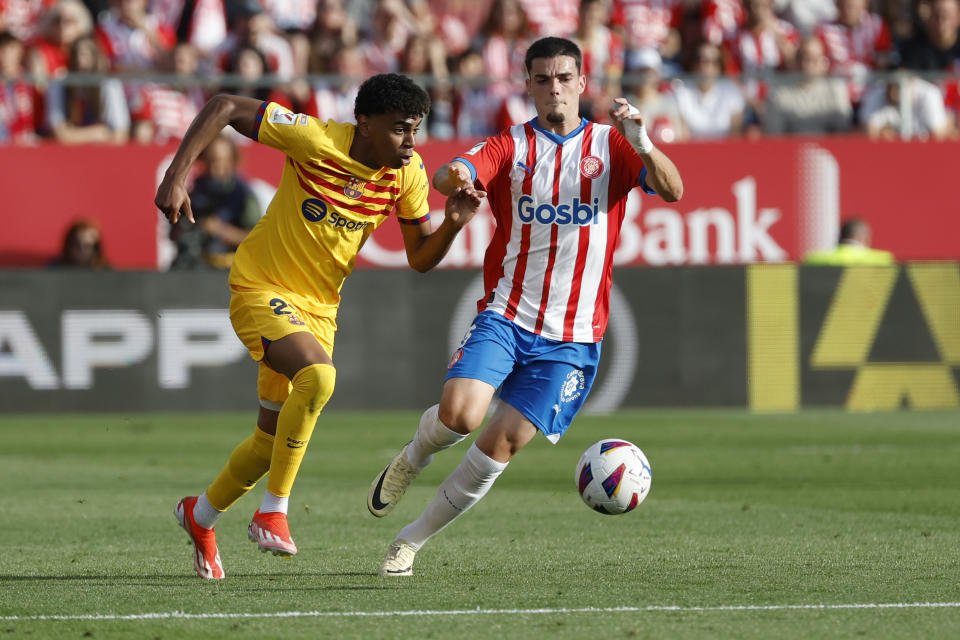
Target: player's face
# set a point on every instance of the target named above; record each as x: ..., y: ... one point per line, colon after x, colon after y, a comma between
x: 391, y: 138
x: 555, y: 85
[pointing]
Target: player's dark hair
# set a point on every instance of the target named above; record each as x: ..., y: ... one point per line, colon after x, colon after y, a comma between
x: 388, y: 93
x: 551, y: 48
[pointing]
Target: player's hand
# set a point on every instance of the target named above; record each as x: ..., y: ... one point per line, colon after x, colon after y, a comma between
x: 462, y: 204
x: 172, y: 200
x: 459, y: 175
x: 629, y: 122
x: 623, y: 110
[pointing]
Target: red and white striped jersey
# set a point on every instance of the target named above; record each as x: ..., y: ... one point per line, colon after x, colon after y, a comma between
x: 721, y: 19
x: 129, y: 47
x: 558, y: 204
x: 756, y: 52
x: 647, y: 23
x: 848, y: 47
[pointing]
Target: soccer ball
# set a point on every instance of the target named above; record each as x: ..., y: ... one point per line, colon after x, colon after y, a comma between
x: 613, y: 476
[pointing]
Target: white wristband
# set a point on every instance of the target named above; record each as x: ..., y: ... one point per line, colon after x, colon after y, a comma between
x: 636, y: 134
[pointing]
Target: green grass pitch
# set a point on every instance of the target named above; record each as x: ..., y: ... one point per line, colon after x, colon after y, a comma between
x: 817, y: 524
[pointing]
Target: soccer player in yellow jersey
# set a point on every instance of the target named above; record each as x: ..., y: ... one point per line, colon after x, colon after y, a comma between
x: 340, y: 181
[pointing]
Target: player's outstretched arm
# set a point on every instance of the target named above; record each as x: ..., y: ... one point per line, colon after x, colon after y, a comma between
x: 220, y: 111
x: 424, y: 249
x: 450, y: 176
x: 662, y: 175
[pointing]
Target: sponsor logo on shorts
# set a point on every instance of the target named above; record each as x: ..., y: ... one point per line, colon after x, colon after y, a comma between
x: 572, y: 386
x: 294, y: 319
x: 457, y: 356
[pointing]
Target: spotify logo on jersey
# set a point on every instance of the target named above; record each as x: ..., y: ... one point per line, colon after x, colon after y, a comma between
x: 313, y: 210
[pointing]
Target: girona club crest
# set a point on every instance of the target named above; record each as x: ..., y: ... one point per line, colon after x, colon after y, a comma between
x: 354, y: 187
x: 591, y: 167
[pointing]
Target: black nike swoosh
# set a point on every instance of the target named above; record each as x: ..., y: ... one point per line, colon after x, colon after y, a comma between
x: 376, y: 492
x: 399, y: 570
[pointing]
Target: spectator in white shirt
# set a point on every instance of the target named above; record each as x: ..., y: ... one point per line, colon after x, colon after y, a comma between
x: 712, y: 107
x: 887, y: 114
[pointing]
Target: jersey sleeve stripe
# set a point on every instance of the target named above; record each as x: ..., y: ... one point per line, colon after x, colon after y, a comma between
x: 473, y: 169
x: 415, y: 221
x: 643, y: 182
x: 258, y: 120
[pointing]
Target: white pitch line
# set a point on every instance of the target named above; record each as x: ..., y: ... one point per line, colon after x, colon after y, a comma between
x: 180, y: 615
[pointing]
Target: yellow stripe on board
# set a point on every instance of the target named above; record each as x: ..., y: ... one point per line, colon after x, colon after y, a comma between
x: 854, y: 317
x: 773, y: 341
x: 938, y: 289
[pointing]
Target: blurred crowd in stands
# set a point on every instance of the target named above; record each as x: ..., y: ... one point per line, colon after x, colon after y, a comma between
x: 113, y: 71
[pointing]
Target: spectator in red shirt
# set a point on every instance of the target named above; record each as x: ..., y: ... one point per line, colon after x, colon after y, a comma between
x: 16, y: 95
x: 651, y: 24
x: 133, y: 38
x: 201, y: 23
x: 253, y: 27
x: 502, y: 43
x: 855, y: 43
x: 171, y: 108
x: 764, y: 42
x: 58, y: 28
x: 20, y: 17
x: 763, y: 45
x: 720, y: 19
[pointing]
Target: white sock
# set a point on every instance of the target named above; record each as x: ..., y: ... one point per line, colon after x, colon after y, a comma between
x: 204, y: 513
x: 462, y: 489
x: 432, y: 436
x: 273, y: 504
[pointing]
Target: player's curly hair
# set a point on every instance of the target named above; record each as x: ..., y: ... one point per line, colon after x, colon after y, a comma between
x: 390, y: 92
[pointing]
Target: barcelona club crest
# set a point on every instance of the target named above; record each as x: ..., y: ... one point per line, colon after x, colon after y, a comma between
x: 591, y: 167
x: 354, y: 187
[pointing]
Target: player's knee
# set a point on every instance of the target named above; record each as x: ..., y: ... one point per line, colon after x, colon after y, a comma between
x: 315, y: 383
x: 462, y: 417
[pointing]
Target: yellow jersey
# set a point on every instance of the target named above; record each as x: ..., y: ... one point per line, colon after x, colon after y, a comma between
x: 325, y: 208
x: 849, y: 255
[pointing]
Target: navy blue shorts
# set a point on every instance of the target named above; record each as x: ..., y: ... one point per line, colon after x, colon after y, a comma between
x: 545, y: 380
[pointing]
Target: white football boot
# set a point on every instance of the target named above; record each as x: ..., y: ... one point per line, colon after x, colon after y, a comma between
x: 399, y: 560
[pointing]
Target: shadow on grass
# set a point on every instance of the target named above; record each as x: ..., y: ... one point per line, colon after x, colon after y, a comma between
x: 178, y: 580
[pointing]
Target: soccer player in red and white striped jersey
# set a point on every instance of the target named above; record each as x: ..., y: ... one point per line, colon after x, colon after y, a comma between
x: 557, y: 187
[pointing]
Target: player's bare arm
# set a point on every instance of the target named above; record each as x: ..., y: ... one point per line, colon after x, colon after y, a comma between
x: 662, y: 174
x: 450, y: 176
x: 425, y: 250
x: 221, y: 110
